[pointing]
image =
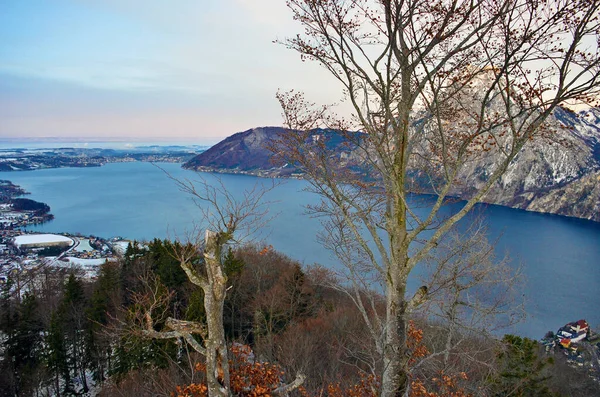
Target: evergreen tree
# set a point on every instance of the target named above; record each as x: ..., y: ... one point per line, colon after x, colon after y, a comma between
x: 128, y: 277
x: 75, y: 325
x: 165, y: 265
x: 8, y: 323
x: 24, y: 346
x: 133, y: 352
x: 73, y: 294
x: 56, y: 351
x: 232, y: 265
x: 232, y: 313
x: 195, y: 309
x: 104, y: 301
x: 6, y: 306
x: 521, y: 369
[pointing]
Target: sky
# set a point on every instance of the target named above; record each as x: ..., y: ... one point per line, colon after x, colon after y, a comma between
x: 181, y: 70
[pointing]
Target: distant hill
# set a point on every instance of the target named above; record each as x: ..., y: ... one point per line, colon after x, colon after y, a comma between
x: 244, y: 152
x: 557, y: 178
x: 247, y: 153
x: 40, y: 158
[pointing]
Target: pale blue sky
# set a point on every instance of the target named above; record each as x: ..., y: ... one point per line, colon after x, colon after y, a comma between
x: 180, y: 69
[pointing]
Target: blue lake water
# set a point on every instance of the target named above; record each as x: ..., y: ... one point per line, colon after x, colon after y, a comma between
x: 559, y: 256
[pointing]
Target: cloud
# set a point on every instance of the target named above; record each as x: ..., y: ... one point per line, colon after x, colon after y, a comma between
x: 129, y: 67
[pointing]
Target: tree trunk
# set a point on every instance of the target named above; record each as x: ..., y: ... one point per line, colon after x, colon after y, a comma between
x: 57, y: 384
x: 394, y: 379
x: 217, y: 366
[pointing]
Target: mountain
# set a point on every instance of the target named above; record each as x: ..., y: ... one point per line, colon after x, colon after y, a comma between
x: 244, y: 152
x: 547, y: 176
x: 580, y: 199
x: 560, y: 176
x: 247, y: 153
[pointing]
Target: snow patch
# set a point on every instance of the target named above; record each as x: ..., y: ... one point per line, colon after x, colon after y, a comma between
x: 88, y: 262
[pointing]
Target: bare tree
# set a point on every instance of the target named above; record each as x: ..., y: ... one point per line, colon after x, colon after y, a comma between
x: 230, y: 219
x: 472, y: 296
x: 434, y: 86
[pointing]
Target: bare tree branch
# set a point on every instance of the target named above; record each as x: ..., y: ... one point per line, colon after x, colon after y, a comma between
x: 435, y: 87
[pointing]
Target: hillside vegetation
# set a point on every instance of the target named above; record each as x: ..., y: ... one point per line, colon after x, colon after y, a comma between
x: 68, y: 336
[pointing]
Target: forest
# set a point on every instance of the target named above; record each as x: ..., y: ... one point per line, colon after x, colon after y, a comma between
x: 23, y: 204
x: 64, y: 335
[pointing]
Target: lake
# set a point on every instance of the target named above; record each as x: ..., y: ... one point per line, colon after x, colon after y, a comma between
x: 560, y: 256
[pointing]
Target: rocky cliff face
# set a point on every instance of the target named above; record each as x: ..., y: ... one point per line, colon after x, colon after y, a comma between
x: 561, y: 176
x: 580, y: 199
x: 555, y: 176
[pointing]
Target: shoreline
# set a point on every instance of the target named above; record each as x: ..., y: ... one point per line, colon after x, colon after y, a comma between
x: 16, y: 211
x: 289, y: 245
x: 273, y: 174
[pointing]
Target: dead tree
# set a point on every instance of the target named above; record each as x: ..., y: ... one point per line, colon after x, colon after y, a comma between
x: 433, y: 86
x: 230, y: 219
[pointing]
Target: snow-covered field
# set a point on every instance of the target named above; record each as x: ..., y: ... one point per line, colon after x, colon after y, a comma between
x: 120, y: 246
x: 87, y: 262
x: 84, y: 245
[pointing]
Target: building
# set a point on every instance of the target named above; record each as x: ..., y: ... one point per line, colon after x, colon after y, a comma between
x: 27, y: 241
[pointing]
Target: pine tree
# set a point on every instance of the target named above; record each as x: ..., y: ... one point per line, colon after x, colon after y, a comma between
x: 165, y: 265
x: 232, y: 265
x: 521, y: 369
x: 56, y: 351
x: 104, y: 301
x: 8, y: 324
x: 128, y: 279
x: 24, y: 346
x: 75, y: 325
